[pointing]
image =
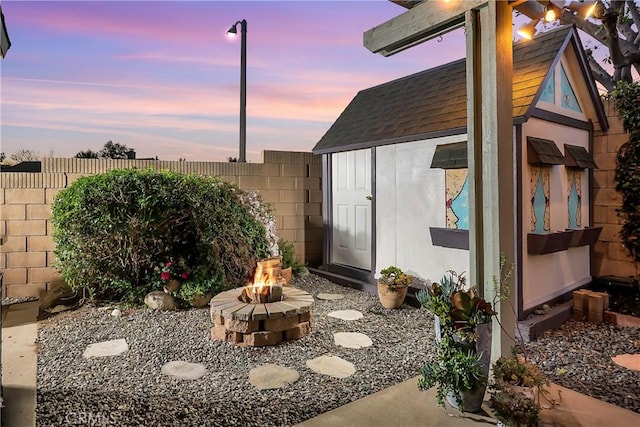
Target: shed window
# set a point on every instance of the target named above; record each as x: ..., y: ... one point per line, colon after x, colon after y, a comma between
x: 543, y: 152
x: 539, y: 188
x: 574, y: 198
x: 578, y: 157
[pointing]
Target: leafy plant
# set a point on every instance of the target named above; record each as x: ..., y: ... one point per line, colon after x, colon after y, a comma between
x: 111, y: 229
x: 513, y: 408
x: 627, y: 173
x: 394, y: 277
x: 514, y: 370
x: 453, y: 371
x: 173, y: 271
x: 288, y: 253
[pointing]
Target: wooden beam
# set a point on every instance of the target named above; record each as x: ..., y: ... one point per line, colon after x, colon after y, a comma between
x: 423, y: 22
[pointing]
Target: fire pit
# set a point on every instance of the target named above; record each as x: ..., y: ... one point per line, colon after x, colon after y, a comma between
x: 265, y: 312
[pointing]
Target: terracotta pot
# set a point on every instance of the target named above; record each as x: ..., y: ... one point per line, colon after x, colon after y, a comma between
x: 172, y: 286
x: 391, y: 298
x: 199, y: 302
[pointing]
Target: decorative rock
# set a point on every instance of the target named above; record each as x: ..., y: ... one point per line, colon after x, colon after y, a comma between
x: 159, y: 300
x: 184, y: 370
x: 332, y: 366
x: 272, y: 376
x: 106, y: 348
x: 346, y: 314
x: 629, y: 361
x: 330, y: 297
x: 59, y: 309
x: 116, y: 313
x: 352, y: 340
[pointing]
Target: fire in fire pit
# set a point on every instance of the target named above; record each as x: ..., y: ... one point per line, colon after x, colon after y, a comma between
x: 267, y: 283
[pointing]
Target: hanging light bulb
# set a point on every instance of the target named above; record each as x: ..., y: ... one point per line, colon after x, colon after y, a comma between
x: 528, y: 29
x: 583, y: 9
x: 550, y: 13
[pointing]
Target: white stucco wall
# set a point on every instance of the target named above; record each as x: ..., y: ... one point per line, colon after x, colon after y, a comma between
x: 551, y: 275
x: 410, y: 198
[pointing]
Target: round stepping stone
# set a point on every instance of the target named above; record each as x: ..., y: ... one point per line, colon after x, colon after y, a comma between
x: 272, y: 376
x: 184, y: 370
x: 330, y: 297
x: 629, y: 361
x: 106, y: 348
x: 352, y: 340
x: 332, y: 366
x: 346, y: 314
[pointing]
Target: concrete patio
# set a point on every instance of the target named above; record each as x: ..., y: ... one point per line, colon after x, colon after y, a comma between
x: 400, y: 405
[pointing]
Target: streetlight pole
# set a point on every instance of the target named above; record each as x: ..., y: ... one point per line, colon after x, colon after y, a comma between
x: 243, y: 86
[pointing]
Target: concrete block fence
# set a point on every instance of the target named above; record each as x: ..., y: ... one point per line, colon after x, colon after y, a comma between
x: 291, y: 182
x: 610, y: 256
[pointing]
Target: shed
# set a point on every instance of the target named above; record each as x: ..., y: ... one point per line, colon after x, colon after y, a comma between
x: 395, y: 181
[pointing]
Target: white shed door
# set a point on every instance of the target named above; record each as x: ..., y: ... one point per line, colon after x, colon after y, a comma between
x: 351, y: 209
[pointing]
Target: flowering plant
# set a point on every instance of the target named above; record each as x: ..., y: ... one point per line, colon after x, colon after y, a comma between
x: 173, y: 271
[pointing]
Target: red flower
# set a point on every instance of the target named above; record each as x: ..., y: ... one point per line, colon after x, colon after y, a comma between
x: 184, y: 275
x: 165, y: 275
x: 169, y: 264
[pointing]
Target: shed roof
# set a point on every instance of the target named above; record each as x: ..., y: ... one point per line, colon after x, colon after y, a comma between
x: 433, y: 102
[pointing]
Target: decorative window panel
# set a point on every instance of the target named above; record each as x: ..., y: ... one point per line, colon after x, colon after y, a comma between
x: 457, y: 198
x: 568, y: 98
x: 549, y: 92
x: 539, y: 188
x: 574, y: 202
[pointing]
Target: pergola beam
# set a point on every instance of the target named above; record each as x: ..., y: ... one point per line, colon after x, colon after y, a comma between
x: 423, y: 22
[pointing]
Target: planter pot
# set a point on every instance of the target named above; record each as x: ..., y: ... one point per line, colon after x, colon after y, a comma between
x: 199, y: 302
x: 172, y: 286
x: 471, y: 400
x: 391, y: 298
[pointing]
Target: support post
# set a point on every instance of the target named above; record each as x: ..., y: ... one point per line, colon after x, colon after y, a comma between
x: 491, y: 156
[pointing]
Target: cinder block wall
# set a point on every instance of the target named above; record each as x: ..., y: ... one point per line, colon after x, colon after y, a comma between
x: 610, y: 256
x: 290, y: 182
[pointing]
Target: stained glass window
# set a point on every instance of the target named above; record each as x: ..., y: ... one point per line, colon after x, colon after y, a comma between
x: 539, y: 190
x: 567, y: 96
x: 549, y: 92
x: 574, y: 203
x: 457, y: 198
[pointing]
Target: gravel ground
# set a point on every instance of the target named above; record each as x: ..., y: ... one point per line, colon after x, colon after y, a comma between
x: 129, y: 390
x: 578, y: 356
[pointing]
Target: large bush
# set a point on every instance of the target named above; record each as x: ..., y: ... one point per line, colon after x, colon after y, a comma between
x: 113, y: 230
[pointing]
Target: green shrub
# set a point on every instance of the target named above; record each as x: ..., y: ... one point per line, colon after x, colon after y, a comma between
x: 288, y: 253
x: 113, y: 230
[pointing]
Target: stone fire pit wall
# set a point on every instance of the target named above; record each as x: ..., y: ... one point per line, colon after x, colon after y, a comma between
x: 260, y: 325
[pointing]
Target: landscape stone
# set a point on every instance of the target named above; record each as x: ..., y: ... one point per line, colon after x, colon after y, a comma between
x: 60, y: 308
x: 116, y: 313
x: 271, y: 376
x: 159, y: 300
x: 330, y: 297
x: 106, y: 348
x: 184, y: 370
x: 352, y: 340
x: 629, y: 361
x: 346, y: 314
x: 332, y: 366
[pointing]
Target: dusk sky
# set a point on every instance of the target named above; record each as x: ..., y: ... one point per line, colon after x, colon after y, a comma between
x: 163, y: 78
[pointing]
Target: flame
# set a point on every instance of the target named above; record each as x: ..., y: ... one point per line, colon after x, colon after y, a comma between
x: 265, y: 275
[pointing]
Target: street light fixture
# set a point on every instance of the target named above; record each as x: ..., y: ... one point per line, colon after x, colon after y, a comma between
x: 233, y: 31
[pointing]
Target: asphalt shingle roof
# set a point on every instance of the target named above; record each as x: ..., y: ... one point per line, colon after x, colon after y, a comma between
x: 435, y: 100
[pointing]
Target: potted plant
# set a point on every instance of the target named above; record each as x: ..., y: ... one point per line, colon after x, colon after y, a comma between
x: 199, y: 290
x: 516, y: 389
x: 392, y: 286
x: 172, y: 275
x: 463, y: 333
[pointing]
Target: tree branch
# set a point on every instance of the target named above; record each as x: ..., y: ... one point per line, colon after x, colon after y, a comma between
x: 599, y: 73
